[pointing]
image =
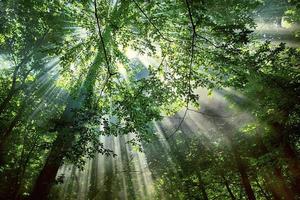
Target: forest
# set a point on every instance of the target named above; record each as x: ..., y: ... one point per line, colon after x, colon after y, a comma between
x: 149, y: 99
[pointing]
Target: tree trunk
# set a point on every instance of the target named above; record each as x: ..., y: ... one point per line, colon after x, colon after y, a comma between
x: 293, y: 166
x: 276, y: 184
x: 93, y: 190
x: 244, y: 176
x: 127, y: 167
x: 201, y: 186
x: 65, y: 137
x: 289, y: 155
x: 27, y: 55
x: 275, y: 181
x: 54, y: 160
x: 242, y: 169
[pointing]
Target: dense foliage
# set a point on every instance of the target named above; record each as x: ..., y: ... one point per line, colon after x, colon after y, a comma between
x: 67, y: 79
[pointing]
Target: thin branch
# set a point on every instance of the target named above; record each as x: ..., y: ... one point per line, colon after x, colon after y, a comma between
x: 109, y: 71
x: 102, y: 40
x: 208, y: 41
x: 161, y: 63
x: 104, y: 84
x: 191, y: 17
x: 190, y: 69
x: 192, y: 49
x: 179, y: 125
x: 150, y: 21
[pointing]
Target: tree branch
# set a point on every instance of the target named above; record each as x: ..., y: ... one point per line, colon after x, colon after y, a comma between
x: 190, y: 69
x: 179, y: 125
x: 102, y: 40
x: 150, y: 21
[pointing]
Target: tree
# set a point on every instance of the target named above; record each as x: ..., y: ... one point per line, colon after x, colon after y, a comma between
x: 77, y: 51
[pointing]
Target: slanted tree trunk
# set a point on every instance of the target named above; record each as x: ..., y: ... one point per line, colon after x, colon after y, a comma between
x: 66, y: 136
x: 54, y: 160
x: 14, y: 89
x: 275, y: 181
x: 290, y: 156
x: 8, y: 131
x: 293, y: 166
x: 60, y: 147
x: 276, y: 184
x: 228, y: 187
x: 241, y: 166
x: 240, y: 163
x: 21, y: 171
x: 264, y: 193
x: 243, y: 173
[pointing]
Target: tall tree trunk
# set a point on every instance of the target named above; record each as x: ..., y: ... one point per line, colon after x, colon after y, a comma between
x: 7, y: 132
x: 244, y: 176
x: 276, y: 184
x: 128, y: 168
x: 293, y: 166
x: 65, y: 137
x: 54, y: 160
x: 273, y: 176
x: 241, y: 166
x: 93, y: 190
x: 108, y: 180
x: 290, y: 156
